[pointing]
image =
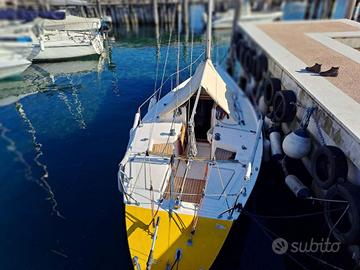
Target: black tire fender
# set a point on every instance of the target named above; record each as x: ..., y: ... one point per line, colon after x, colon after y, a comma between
x: 347, y: 230
x: 284, y: 106
x: 261, y: 66
x: 271, y: 86
x: 328, y: 164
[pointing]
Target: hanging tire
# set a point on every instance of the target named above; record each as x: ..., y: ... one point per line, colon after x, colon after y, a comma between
x: 242, y: 83
x: 238, y: 37
x: 271, y: 86
x: 261, y: 66
x: 243, y: 53
x: 240, y: 47
x: 329, y: 164
x: 347, y: 229
x: 248, y: 61
x: 284, y: 106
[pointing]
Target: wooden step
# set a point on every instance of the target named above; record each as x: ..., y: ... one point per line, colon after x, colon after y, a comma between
x: 191, y: 186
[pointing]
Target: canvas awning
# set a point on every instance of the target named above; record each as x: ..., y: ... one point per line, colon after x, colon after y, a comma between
x: 209, y: 80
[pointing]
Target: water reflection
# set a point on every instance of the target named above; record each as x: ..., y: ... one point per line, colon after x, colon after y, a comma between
x: 42, y: 77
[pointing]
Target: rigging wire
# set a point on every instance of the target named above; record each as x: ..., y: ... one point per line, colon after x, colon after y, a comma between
x: 269, y: 233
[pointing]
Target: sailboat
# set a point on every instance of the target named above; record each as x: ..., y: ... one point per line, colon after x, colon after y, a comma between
x: 190, y: 166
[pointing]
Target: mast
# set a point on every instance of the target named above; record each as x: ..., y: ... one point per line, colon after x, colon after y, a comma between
x: 208, y: 30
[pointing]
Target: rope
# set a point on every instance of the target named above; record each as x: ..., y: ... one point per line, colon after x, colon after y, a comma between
x: 162, y: 78
x: 292, y: 216
x: 310, y: 111
x: 267, y: 232
x: 322, y: 139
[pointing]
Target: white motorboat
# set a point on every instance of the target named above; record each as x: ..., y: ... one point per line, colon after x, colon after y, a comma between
x: 12, y: 64
x: 190, y: 166
x: 72, y: 23
x: 224, y: 20
x: 60, y: 45
x: 49, y: 40
x: 20, y: 38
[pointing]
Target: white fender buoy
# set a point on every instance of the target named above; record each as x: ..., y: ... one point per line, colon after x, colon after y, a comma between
x: 267, y: 123
x: 136, y: 121
x: 266, y: 150
x: 297, y: 187
x: 263, y: 108
x: 250, y: 86
x: 297, y: 144
x: 275, y: 142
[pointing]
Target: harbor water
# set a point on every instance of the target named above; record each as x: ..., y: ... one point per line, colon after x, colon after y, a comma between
x: 63, y: 129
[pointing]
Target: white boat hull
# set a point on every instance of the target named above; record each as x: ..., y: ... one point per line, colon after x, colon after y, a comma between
x: 65, y: 52
x: 13, y: 68
x: 227, y: 21
x: 60, y: 46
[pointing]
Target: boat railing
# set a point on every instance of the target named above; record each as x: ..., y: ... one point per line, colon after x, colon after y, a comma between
x: 249, y: 168
x: 171, y: 76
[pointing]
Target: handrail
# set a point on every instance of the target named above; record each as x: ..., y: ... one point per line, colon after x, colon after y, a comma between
x: 252, y: 157
x: 170, y: 76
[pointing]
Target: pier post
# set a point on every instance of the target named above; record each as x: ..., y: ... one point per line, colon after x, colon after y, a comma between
x: 185, y: 15
x: 316, y: 9
x: 98, y: 7
x: 308, y: 9
x: 350, y: 9
x: 155, y: 12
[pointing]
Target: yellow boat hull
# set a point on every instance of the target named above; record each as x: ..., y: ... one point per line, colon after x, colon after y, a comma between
x: 174, y: 233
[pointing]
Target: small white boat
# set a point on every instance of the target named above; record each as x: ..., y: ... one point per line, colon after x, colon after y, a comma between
x: 224, y: 20
x: 72, y: 23
x: 50, y: 40
x: 60, y: 45
x: 12, y: 64
x: 191, y: 164
x: 19, y: 38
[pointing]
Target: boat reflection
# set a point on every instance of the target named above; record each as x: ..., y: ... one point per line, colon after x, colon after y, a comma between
x: 44, y: 77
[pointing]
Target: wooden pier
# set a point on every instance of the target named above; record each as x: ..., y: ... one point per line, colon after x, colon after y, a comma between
x: 128, y: 13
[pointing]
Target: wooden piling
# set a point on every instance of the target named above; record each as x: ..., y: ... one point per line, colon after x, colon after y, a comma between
x: 315, y: 14
x: 155, y: 12
x: 308, y: 9
x: 350, y: 9
x: 185, y: 15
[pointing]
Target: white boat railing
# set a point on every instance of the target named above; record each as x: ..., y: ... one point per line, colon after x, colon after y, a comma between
x: 171, y: 76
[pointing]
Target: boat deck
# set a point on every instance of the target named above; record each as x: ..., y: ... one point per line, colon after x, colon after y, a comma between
x: 291, y: 46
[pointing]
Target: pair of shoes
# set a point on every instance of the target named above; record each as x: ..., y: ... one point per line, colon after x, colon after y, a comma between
x: 332, y: 72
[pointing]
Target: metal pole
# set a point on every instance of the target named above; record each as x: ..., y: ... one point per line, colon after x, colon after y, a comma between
x: 209, y: 28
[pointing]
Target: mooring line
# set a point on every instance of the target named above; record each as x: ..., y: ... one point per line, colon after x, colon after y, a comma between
x: 43, y: 180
